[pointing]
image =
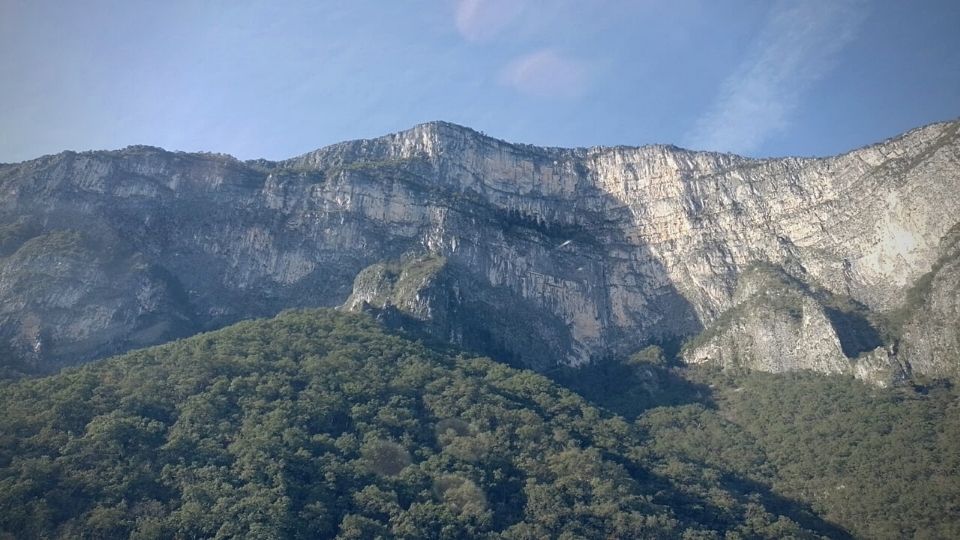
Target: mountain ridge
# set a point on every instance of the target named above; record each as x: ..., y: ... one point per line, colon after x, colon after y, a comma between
x: 617, y: 247
x: 461, y: 127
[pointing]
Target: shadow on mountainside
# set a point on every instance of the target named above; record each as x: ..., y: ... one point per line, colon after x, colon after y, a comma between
x: 645, y: 381
x: 628, y: 389
x: 695, y: 508
x: 798, y: 511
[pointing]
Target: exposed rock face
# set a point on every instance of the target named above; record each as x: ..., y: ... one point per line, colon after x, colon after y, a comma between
x: 778, y: 324
x: 931, y: 331
x: 434, y: 297
x: 592, y: 251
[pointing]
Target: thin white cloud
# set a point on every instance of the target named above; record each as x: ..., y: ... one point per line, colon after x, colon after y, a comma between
x: 798, y: 45
x: 479, y: 20
x: 546, y: 74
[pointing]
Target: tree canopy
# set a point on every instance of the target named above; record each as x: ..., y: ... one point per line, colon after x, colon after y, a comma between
x: 320, y: 424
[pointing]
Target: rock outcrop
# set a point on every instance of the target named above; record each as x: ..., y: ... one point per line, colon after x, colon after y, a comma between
x: 929, y: 335
x: 583, y: 253
x: 778, y: 323
x: 431, y: 297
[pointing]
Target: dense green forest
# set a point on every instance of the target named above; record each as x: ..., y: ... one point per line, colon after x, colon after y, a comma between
x: 319, y: 424
x: 879, y: 462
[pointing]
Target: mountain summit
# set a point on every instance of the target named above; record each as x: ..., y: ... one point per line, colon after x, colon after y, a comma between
x: 536, y: 256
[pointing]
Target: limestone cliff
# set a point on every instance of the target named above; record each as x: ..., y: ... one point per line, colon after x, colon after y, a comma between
x: 431, y: 297
x: 778, y: 323
x: 597, y: 251
x: 930, y: 316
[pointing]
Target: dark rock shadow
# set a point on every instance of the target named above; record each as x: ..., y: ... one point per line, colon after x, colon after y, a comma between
x: 857, y: 335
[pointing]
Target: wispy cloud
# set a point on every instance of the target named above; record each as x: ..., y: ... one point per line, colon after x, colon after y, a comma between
x: 798, y: 45
x: 479, y: 20
x: 546, y: 74
x: 543, y: 73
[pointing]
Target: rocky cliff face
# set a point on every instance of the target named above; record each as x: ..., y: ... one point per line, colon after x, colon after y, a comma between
x: 930, y: 316
x: 432, y: 297
x: 549, y: 255
x: 778, y: 323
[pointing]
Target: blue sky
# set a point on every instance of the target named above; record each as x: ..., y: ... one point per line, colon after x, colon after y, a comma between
x: 276, y: 79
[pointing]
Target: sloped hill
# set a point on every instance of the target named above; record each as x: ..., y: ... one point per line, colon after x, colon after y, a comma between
x: 319, y: 424
x: 316, y: 424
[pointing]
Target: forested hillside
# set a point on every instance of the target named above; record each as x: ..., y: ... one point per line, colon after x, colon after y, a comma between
x: 319, y: 424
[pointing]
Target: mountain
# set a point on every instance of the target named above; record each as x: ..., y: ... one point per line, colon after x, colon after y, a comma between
x: 537, y: 256
x: 318, y: 424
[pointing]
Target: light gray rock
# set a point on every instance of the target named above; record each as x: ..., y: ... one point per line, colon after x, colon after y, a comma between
x: 779, y: 324
x: 615, y: 248
x: 930, y: 334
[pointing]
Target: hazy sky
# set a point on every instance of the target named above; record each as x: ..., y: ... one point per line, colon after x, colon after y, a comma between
x: 275, y: 79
